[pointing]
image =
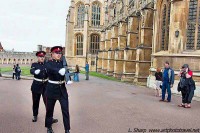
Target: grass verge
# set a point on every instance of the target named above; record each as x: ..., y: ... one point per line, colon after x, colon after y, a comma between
x: 6, y: 69
x: 99, y: 75
x: 25, y: 70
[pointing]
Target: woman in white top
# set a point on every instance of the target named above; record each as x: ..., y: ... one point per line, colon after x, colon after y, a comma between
x: 158, y: 82
x: 14, y: 72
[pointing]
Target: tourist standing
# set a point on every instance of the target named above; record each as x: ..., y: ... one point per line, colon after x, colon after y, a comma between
x: 17, y: 72
x: 186, y: 86
x: 168, y: 81
x: 76, y: 73
x: 14, y: 74
x: 87, y: 71
x: 158, y: 76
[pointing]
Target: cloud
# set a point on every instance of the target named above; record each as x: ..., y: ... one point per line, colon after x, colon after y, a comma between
x: 26, y: 23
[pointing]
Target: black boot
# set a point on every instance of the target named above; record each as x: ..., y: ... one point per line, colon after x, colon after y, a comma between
x: 50, y: 130
x: 54, y: 121
x: 67, y: 131
x: 34, y: 119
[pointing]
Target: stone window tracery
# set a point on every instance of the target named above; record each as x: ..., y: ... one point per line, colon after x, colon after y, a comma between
x: 193, y: 41
x: 79, y: 44
x: 94, y: 43
x: 166, y: 10
x: 168, y: 24
x: 80, y: 15
x: 163, y: 27
x: 96, y: 14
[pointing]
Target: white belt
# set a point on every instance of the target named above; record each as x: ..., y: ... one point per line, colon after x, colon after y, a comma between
x: 40, y: 80
x: 56, y: 82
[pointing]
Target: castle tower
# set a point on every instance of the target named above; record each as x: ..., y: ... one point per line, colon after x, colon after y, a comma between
x: 85, y: 20
x: 1, y: 48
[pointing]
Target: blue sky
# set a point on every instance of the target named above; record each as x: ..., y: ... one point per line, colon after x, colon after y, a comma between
x: 24, y: 24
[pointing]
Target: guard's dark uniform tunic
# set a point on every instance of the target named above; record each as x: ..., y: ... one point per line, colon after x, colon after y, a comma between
x: 56, y: 90
x: 38, y: 85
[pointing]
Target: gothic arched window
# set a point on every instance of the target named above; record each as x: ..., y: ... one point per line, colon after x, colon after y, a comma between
x: 193, y: 26
x: 80, y: 15
x: 114, y: 12
x: 168, y: 24
x: 96, y: 15
x: 165, y: 26
x: 79, y: 44
x: 94, y: 43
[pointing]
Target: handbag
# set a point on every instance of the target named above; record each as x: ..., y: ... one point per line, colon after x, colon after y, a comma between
x: 192, y: 83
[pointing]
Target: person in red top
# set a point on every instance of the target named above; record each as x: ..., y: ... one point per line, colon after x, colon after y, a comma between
x: 187, y: 86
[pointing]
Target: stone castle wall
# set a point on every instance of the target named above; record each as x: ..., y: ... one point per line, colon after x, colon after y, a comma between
x: 17, y: 57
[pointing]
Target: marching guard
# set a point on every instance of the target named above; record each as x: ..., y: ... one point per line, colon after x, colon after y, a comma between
x: 56, y: 90
x: 38, y: 69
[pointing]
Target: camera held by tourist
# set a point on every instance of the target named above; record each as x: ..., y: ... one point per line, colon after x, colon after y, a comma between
x: 186, y: 86
x: 158, y: 82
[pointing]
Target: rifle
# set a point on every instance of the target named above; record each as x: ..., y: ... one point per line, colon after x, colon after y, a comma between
x: 66, y: 69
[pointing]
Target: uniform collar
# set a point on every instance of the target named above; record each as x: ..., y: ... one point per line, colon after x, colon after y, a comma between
x: 56, y: 60
x: 42, y: 63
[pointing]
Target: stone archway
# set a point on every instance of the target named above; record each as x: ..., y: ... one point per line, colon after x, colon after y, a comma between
x: 4, y: 61
x: 23, y: 61
x: 18, y: 61
x: 9, y: 61
x: 14, y: 61
x: 31, y: 61
x: 27, y: 61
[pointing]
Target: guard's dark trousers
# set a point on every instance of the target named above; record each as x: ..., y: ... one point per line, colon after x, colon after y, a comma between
x: 65, y: 111
x: 36, y: 102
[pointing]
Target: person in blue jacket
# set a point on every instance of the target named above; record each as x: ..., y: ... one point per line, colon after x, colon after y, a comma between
x: 87, y: 71
x: 168, y: 81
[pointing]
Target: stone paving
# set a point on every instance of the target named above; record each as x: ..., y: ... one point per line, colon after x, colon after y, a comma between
x: 96, y: 106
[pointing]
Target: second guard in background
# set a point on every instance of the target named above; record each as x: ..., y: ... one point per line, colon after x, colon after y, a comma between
x: 38, y: 69
x: 56, y: 90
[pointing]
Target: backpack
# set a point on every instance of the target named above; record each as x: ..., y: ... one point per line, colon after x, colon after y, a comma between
x: 17, y: 69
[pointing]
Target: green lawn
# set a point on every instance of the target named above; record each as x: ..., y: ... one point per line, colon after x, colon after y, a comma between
x: 99, y: 75
x: 25, y: 70
x: 6, y: 69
